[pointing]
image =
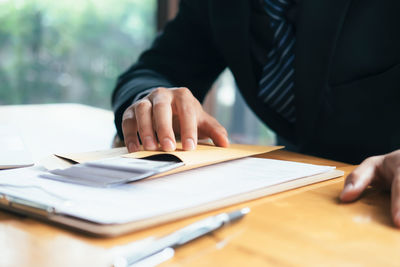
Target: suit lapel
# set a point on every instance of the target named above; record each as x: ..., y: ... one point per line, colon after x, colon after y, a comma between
x: 231, y: 30
x: 319, y: 25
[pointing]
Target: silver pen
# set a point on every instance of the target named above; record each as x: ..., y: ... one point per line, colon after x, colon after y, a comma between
x: 181, y: 237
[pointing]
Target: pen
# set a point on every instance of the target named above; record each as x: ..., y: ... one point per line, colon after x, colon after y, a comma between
x: 181, y: 237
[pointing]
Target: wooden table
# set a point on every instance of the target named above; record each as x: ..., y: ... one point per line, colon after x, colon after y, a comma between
x: 302, y: 227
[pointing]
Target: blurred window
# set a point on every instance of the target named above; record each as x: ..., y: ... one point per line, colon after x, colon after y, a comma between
x: 225, y: 103
x: 70, y: 51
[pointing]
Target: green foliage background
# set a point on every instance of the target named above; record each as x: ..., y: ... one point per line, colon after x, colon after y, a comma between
x: 69, y: 51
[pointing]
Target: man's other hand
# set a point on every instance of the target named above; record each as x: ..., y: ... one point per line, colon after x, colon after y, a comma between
x: 164, y: 112
x: 382, y: 170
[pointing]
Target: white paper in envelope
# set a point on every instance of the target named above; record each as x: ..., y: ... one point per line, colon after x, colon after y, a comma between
x: 112, y: 171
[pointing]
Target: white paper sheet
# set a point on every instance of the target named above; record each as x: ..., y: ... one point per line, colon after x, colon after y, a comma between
x: 149, y: 198
x: 13, y: 152
x: 111, y: 172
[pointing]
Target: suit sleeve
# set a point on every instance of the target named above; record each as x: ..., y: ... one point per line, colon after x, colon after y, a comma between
x: 183, y: 55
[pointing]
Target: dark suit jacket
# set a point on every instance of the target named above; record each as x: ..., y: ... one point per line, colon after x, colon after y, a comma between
x: 347, y: 81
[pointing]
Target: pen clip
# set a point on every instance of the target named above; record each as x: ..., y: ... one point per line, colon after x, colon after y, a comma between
x: 151, y: 260
x: 26, y: 205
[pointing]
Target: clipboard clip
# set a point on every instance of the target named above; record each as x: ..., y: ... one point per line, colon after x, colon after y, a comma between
x: 23, y: 205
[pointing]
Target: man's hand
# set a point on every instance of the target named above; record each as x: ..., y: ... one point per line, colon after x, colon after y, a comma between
x: 382, y: 170
x: 165, y: 112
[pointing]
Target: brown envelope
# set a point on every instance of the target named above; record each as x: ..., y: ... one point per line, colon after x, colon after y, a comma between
x: 203, y: 155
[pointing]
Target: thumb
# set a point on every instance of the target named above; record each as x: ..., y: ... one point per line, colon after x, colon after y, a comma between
x: 357, y: 181
x: 396, y: 199
x: 212, y: 129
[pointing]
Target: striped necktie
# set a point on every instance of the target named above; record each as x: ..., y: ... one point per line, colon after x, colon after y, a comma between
x: 277, y: 80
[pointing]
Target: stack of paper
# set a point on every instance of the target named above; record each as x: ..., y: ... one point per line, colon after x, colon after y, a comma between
x: 155, y: 198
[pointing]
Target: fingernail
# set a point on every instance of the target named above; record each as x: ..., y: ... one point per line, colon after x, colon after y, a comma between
x: 349, y: 187
x: 227, y: 140
x: 149, y: 144
x: 167, y: 144
x: 189, y: 144
x: 132, y: 147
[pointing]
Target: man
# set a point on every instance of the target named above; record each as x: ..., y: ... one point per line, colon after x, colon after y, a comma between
x: 325, y: 75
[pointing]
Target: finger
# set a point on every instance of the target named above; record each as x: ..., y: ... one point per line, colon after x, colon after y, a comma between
x: 357, y: 181
x: 396, y: 199
x: 209, y: 127
x: 143, y: 111
x: 129, y: 130
x: 162, y: 115
x: 187, y: 124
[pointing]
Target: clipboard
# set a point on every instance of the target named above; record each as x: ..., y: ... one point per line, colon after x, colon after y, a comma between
x: 49, y: 213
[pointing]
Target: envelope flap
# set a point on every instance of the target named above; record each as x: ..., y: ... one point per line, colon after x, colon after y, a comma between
x: 203, y: 155
x: 206, y: 155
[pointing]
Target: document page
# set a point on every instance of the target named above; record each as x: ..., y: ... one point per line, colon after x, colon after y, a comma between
x: 13, y: 151
x: 153, y: 197
x: 112, y: 171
